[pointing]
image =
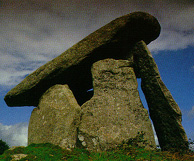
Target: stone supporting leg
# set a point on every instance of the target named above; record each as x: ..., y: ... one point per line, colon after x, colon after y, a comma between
x: 56, y: 118
x: 164, y: 111
x: 115, y: 113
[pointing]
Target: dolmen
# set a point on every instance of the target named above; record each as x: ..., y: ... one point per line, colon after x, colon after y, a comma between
x: 87, y: 97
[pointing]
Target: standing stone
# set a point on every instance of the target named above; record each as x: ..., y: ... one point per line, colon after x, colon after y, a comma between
x: 115, y: 113
x: 164, y: 111
x: 56, y: 118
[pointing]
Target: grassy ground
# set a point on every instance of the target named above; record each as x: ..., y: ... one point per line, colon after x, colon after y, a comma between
x: 49, y: 152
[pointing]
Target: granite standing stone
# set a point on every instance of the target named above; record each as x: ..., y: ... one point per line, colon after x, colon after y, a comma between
x: 115, y: 113
x: 164, y: 111
x: 56, y: 118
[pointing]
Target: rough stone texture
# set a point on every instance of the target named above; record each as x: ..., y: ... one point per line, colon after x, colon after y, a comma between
x: 115, y: 112
x: 164, y: 111
x: 56, y: 118
x: 18, y: 156
x: 73, y: 66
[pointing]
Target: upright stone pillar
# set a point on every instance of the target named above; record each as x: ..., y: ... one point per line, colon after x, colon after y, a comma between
x: 115, y: 113
x: 56, y: 118
x: 164, y: 111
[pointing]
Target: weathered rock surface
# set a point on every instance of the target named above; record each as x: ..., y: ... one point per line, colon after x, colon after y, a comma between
x: 18, y: 156
x: 56, y: 118
x: 73, y: 66
x: 115, y: 112
x: 164, y: 111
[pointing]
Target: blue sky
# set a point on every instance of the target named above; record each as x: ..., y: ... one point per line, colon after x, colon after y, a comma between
x: 32, y: 32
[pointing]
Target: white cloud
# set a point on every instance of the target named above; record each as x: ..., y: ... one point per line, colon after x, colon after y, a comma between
x: 155, y: 136
x: 191, y: 147
x: 12, y: 78
x: 172, y: 40
x: 33, y: 32
x: 30, y: 40
x: 13, y: 69
x: 177, y: 28
x: 14, y: 135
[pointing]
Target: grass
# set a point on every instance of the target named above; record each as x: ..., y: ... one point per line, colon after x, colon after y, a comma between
x: 133, y: 149
x: 50, y: 152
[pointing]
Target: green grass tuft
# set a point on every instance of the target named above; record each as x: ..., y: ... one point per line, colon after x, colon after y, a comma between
x: 133, y: 149
x: 50, y: 152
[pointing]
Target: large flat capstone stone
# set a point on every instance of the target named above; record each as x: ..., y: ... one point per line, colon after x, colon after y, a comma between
x: 113, y: 40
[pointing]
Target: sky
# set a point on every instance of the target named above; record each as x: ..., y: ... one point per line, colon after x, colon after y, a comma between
x: 32, y: 32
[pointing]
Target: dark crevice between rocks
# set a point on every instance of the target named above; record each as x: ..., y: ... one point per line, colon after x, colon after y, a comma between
x: 79, y: 77
x: 80, y: 89
x: 78, y: 142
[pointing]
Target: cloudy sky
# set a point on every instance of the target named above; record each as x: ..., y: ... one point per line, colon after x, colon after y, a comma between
x: 33, y: 32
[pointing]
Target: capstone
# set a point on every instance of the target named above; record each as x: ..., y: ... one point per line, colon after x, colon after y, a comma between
x: 73, y: 66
